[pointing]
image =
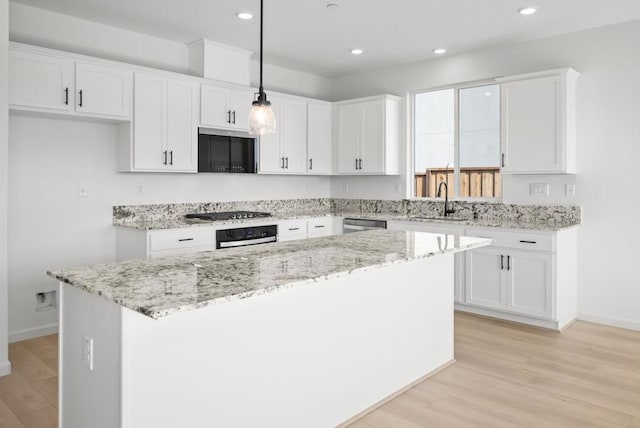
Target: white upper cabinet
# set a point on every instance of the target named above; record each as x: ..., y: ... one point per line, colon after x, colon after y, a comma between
x: 538, y: 122
x: 285, y: 151
x: 40, y: 81
x: 165, y: 129
x: 104, y: 91
x: 225, y: 108
x: 368, y: 136
x: 50, y: 82
x: 319, y: 141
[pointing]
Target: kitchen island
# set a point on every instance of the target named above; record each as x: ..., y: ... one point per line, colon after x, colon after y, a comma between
x: 305, y: 333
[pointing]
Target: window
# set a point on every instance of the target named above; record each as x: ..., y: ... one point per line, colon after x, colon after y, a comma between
x: 457, y: 141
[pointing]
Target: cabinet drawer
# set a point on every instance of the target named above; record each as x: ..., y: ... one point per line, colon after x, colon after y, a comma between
x: 320, y: 226
x: 181, y: 238
x: 516, y: 239
x: 292, y: 228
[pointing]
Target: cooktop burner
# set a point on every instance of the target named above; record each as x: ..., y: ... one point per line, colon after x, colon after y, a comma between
x: 228, y: 215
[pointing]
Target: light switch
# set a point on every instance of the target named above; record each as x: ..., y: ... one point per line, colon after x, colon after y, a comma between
x: 83, y: 191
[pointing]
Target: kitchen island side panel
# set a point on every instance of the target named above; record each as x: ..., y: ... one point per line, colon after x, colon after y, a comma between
x: 89, y: 397
x: 313, y: 355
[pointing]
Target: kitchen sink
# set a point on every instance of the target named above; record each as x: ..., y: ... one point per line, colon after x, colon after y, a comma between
x: 439, y: 218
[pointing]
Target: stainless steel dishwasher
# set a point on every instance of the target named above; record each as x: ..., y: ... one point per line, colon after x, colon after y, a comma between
x: 350, y: 225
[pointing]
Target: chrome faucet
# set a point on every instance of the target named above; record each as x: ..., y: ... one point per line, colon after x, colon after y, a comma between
x: 446, y: 210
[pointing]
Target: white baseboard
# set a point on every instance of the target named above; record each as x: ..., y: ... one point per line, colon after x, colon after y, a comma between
x: 614, y: 322
x: 5, y: 368
x: 31, y: 333
x: 521, y: 319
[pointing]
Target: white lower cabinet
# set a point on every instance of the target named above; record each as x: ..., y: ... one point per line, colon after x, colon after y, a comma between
x: 525, y: 276
x: 485, y: 278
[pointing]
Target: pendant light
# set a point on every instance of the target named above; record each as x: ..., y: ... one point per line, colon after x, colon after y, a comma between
x: 261, y: 118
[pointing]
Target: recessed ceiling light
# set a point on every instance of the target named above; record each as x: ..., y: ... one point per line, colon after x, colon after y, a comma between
x: 439, y: 51
x: 356, y: 51
x: 332, y: 5
x: 487, y: 94
x: 527, y: 10
x: 245, y: 16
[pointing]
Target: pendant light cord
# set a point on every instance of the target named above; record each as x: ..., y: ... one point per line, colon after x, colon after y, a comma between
x: 261, y: 90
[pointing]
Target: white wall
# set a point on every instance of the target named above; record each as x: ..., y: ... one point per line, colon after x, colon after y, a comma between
x: 608, y: 149
x: 51, y: 227
x: 4, y: 38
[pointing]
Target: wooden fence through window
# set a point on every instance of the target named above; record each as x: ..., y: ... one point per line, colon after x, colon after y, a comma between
x: 475, y: 182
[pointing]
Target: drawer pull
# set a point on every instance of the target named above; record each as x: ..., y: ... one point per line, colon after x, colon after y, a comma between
x: 528, y: 242
x: 185, y: 239
x: 319, y: 226
x: 294, y: 228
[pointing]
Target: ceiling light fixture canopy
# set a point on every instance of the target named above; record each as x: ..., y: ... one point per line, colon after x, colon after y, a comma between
x: 261, y: 118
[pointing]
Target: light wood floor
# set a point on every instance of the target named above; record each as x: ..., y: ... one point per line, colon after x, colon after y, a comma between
x: 506, y: 375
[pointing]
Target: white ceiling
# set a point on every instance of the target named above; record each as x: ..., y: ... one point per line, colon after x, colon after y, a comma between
x: 306, y: 35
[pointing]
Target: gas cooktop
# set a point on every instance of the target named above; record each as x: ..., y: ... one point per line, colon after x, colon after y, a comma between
x: 228, y: 215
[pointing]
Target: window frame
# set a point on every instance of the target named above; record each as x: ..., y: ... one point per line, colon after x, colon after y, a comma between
x: 456, y: 140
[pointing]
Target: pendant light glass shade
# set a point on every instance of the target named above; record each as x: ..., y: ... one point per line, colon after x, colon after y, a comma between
x: 261, y: 118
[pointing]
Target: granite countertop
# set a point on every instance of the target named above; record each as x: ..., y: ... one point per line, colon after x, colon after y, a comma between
x: 524, y: 224
x: 164, y: 286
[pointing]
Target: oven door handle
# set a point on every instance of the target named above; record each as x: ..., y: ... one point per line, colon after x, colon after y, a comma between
x: 247, y: 242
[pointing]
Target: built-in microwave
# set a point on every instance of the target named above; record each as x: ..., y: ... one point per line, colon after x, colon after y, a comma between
x: 226, y: 151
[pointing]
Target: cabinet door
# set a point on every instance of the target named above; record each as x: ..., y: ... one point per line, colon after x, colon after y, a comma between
x: 349, y: 137
x: 485, y: 278
x: 294, y: 136
x: 214, y: 107
x: 182, y: 125
x: 240, y: 105
x: 532, y: 118
x: 319, y: 144
x: 271, y: 159
x: 149, y: 137
x: 371, y: 148
x: 40, y: 81
x: 104, y: 91
x: 529, y: 283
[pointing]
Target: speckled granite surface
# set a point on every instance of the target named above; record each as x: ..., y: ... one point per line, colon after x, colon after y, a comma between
x: 164, y: 286
x: 531, y: 217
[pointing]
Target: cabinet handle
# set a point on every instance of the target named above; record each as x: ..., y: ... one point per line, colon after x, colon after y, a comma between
x: 171, y: 157
x: 356, y: 163
x: 234, y: 117
x: 310, y: 163
x: 319, y: 226
x: 66, y: 96
x: 228, y: 116
x: 282, y: 163
x: 508, y: 262
x: 185, y: 239
x: 529, y: 242
x: 80, y: 103
x: 502, y: 161
x: 361, y: 163
x: 294, y: 228
x: 287, y: 163
x: 501, y: 262
x: 165, y: 157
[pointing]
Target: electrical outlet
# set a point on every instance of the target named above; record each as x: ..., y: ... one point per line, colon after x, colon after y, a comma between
x: 570, y: 189
x: 83, y: 191
x: 87, y: 352
x: 346, y: 187
x: 539, y: 189
x: 46, y: 300
x: 140, y: 189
